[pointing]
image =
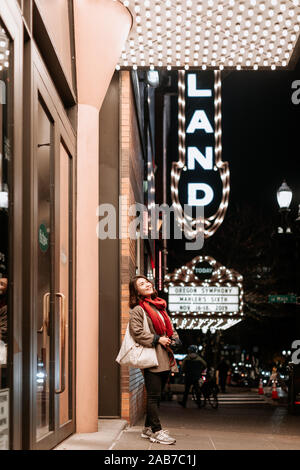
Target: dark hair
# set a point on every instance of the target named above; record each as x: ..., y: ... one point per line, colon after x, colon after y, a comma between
x: 134, y: 295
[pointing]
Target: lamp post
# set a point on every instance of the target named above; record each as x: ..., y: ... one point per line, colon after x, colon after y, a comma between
x: 284, y: 196
x: 284, y: 199
x: 289, y: 233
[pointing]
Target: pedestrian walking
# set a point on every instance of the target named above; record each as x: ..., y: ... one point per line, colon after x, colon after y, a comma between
x: 162, y: 336
x: 192, y: 366
x: 221, y: 374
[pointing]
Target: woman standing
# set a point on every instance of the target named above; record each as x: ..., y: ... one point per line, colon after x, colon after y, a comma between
x: 143, y: 297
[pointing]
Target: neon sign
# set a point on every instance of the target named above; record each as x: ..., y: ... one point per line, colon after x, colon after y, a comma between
x: 205, y: 181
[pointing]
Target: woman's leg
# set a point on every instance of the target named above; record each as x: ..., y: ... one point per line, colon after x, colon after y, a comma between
x: 153, y: 383
x: 164, y: 379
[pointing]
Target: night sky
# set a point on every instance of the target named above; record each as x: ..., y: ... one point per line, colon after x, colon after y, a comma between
x: 261, y: 135
x: 261, y: 142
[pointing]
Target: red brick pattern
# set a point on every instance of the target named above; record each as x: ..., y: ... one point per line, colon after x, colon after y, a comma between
x: 131, y: 191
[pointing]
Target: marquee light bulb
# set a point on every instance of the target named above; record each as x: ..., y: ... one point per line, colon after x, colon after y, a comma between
x: 232, y: 20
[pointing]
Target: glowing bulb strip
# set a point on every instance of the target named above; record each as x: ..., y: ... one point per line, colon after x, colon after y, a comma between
x: 223, y: 167
x: 189, y: 323
x: 178, y: 166
x: 181, y: 115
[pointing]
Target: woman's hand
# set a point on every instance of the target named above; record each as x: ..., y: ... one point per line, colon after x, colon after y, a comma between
x: 164, y: 341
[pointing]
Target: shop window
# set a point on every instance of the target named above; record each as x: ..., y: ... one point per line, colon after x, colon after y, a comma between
x: 5, y: 157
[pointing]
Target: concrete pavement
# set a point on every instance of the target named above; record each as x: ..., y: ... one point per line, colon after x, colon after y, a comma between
x: 238, y: 426
x: 108, y: 433
x: 230, y: 427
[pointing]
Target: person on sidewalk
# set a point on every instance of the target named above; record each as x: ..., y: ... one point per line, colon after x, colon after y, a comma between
x: 221, y: 373
x: 192, y: 366
x: 143, y: 297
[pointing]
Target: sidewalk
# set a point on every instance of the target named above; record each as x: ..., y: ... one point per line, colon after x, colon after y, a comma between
x: 240, y: 426
x: 109, y: 431
x: 230, y: 427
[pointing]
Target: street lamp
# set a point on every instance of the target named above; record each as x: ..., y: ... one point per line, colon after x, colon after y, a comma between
x: 284, y: 197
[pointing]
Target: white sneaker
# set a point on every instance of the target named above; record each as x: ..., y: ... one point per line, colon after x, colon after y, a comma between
x: 146, y: 433
x: 162, y: 437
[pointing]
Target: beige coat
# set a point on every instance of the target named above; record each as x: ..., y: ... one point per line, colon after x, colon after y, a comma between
x: 136, y: 326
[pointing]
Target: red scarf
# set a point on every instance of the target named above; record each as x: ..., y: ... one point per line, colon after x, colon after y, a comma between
x: 161, y: 328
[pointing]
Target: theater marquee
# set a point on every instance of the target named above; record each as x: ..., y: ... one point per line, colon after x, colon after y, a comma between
x: 203, y: 294
x: 204, y: 299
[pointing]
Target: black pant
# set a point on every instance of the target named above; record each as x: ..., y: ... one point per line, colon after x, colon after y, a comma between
x: 188, y: 382
x: 155, y: 383
x: 222, y: 381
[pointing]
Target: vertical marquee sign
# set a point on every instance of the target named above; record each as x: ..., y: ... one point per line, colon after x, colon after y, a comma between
x: 200, y: 177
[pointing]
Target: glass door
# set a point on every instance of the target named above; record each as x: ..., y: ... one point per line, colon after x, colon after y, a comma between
x: 53, y: 346
x: 44, y: 301
x: 5, y: 157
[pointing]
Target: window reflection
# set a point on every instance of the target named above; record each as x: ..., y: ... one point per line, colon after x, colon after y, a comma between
x: 43, y: 164
x: 5, y: 150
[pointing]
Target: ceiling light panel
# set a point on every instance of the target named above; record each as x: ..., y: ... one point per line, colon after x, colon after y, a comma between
x: 211, y: 33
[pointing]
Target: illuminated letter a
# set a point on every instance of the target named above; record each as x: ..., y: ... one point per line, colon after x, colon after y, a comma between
x: 199, y: 121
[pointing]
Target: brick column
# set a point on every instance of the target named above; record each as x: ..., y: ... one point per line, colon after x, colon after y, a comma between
x: 131, y: 187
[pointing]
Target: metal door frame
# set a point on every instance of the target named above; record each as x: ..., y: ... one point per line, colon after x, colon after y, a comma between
x: 12, y: 21
x: 39, y: 84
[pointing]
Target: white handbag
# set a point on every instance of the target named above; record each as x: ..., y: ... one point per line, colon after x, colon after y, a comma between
x: 135, y: 355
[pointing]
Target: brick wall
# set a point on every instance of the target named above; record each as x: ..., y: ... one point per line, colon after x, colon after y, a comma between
x: 131, y: 190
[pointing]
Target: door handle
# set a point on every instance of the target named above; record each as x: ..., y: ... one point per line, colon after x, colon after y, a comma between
x: 45, y: 324
x: 62, y: 337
